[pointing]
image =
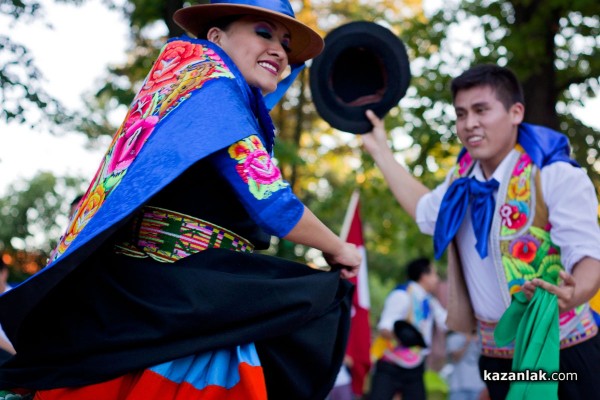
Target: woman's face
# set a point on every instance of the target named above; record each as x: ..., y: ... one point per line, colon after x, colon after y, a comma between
x: 258, y: 47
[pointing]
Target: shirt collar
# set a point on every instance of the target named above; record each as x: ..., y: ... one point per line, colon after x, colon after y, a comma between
x: 477, y: 172
x: 418, y: 290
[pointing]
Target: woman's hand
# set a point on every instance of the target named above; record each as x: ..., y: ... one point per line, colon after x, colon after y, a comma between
x: 348, y: 258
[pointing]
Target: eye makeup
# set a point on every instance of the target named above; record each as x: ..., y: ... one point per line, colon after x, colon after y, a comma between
x: 264, y: 29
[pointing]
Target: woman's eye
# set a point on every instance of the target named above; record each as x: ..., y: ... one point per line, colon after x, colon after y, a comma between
x: 286, y: 46
x: 264, y: 34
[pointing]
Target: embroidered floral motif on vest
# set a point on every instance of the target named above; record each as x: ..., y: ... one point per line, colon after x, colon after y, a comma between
x: 527, y: 251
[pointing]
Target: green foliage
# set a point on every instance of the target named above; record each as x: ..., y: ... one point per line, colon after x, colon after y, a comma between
x: 552, y: 46
x: 22, y: 97
x: 34, y: 213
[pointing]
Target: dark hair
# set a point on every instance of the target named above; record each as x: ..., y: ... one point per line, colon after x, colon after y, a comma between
x: 76, y: 200
x: 2, y: 264
x: 418, y: 267
x: 502, y: 80
x: 221, y: 23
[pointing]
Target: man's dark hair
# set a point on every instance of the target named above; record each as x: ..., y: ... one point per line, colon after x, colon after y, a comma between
x: 418, y: 267
x: 502, y: 80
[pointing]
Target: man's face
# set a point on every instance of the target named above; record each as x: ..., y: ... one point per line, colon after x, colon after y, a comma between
x: 430, y: 281
x: 485, y: 127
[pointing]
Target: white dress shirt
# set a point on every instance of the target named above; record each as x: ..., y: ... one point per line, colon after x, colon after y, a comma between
x: 398, y: 304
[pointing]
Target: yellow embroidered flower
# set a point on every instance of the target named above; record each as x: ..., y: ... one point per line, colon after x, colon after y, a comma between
x: 518, y: 188
x: 86, y: 211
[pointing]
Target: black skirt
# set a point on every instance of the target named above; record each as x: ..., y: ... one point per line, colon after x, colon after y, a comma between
x: 118, y: 314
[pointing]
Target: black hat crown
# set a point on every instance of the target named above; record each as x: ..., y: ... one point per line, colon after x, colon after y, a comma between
x: 363, y: 66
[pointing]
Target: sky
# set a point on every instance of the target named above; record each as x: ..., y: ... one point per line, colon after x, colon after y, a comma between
x: 73, y: 57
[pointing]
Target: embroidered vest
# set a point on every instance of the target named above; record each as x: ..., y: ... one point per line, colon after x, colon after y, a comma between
x: 521, y: 247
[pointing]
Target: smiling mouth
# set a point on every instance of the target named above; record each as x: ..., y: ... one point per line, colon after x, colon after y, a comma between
x: 475, y: 139
x: 272, y: 68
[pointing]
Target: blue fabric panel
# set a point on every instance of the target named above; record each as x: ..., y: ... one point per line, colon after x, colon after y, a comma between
x: 220, y: 367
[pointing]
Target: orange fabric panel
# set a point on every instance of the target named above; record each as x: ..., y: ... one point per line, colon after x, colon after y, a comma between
x: 147, y: 384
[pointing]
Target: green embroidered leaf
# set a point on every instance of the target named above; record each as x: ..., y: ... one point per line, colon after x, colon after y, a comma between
x: 506, y: 231
x: 540, y: 233
x: 550, y: 268
x: 540, y: 254
x: 113, y: 180
x: 510, y: 269
x: 527, y: 271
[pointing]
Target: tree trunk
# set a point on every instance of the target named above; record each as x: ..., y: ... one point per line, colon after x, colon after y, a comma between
x: 537, y: 25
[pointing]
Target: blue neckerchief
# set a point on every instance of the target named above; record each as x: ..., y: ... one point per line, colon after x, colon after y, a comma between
x: 544, y: 145
x: 424, y: 306
x: 460, y: 194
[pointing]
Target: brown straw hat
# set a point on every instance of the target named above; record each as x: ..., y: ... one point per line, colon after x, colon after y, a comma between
x: 305, y: 42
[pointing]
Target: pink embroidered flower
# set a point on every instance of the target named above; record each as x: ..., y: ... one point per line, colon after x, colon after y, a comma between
x: 514, y: 214
x: 525, y: 248
x: 464, y: 164
x: 260, y: 168
x: 176, y: 56
x: 130, y: 143
x: 523, y: 163
x: 138, y: 110
x: 518, y: 188
x: 256, y: 168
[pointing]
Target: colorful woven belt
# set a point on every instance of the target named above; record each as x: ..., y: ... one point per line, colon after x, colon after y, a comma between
x: 168, y: 236
x: 585, y: 330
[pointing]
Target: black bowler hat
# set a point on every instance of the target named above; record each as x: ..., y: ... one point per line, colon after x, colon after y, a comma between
x: 408, y: 335
x: 363, y: 66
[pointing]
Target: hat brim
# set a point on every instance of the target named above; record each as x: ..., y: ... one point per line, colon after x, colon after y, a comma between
x: 348, y: 49
x: 305, y: 42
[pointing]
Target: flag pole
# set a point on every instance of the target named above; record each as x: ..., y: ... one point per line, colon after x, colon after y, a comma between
x: 349, y: 215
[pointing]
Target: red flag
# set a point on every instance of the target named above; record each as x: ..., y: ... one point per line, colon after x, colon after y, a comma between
x: 359, y: 341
